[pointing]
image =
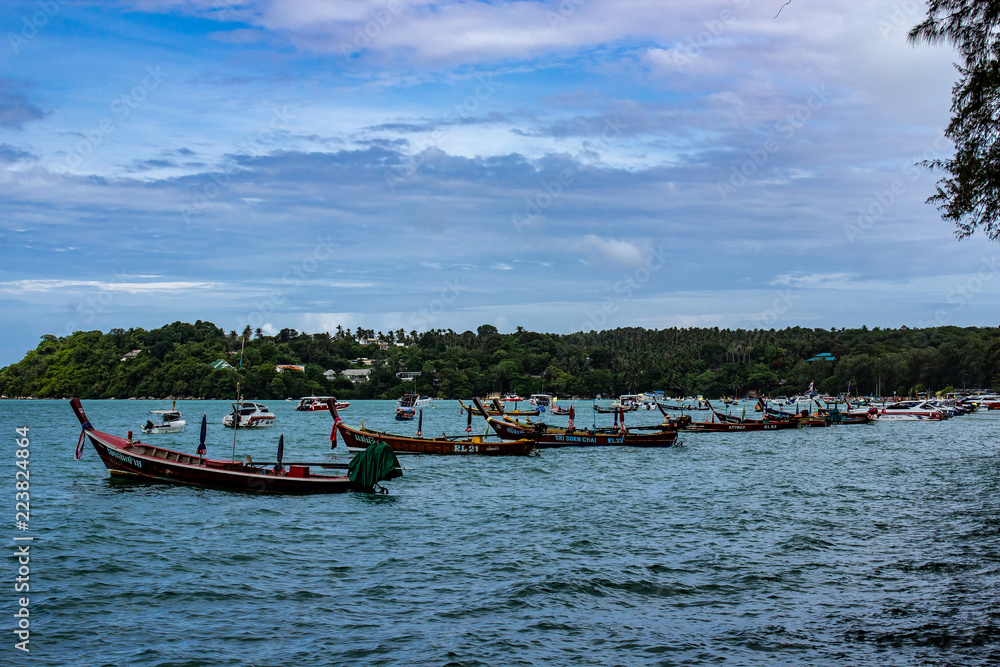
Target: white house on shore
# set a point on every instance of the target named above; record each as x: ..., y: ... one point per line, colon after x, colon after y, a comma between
x: 356, y: 374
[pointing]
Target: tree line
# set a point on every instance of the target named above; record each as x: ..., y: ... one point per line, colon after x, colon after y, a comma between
x: 176, y: 361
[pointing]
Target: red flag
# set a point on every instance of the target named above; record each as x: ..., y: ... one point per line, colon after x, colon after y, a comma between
x: 572, y: 414
x: 333, y: 434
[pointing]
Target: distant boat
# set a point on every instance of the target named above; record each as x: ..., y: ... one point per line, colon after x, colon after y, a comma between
x: 402, y: 414
x: 906, y: 411
x: 317, y: 404
x: 168, y: 421
x: 247, y: 414
x: 412, y: 401
x: 626, y: 402
x: 542, y: 402
x: 359, y: 439
x: 548, y: 436
x: 499, y: 409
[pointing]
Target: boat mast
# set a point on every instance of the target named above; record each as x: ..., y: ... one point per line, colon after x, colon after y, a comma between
x: 239, y: 399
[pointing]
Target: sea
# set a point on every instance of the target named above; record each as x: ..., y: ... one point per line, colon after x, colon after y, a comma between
x: 850, y: 545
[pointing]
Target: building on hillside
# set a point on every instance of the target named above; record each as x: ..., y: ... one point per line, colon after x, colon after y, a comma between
x: 220, y: 364
x: 356, y: 374
x: 290, y: 367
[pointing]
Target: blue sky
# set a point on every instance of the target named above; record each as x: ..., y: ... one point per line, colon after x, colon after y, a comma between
x: 561, y: 166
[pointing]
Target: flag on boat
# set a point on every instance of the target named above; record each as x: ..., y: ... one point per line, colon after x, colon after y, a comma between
x: 79, y: 445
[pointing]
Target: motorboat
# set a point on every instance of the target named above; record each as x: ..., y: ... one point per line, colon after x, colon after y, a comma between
x: 402, y: 414
x: 166, y: 421
x: 317, y: 404
x: 247, y: 414
x: 907, y: 411
x: 542, y: 402
x: 412, y: 401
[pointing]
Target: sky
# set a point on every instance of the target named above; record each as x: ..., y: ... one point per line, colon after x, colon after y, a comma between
x: 556, y: 165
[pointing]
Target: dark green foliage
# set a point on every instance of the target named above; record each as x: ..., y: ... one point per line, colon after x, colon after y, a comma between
x: 175, y: 361
x: 970, y: 195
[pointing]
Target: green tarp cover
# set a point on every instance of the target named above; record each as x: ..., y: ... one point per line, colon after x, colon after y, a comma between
x: 378, y: 462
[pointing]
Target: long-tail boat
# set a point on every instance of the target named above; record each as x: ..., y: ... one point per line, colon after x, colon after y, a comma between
x: 545, y: 436
x: 135, y: 460
x: 359, y: 439
x: 498, y: 409
x: 728, y: 424
x: 824, y: 416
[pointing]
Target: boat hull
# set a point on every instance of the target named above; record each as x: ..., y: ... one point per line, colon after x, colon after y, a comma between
x: 732, y: 427
x: 551, y: 438
x: 165, y: 428
x: 359, y: 440
x: 252, y: 422
x: 154, y: 464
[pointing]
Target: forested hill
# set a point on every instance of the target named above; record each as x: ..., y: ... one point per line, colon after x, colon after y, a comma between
x: 177, y: 361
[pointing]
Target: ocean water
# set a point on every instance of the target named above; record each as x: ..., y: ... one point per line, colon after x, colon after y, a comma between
x: 876, y: 545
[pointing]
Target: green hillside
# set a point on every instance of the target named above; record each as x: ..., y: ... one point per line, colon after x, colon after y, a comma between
x: 176, y: 361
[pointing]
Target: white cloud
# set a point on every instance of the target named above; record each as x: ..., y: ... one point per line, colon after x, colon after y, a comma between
x: 52, y: 285
x: 616, y: 251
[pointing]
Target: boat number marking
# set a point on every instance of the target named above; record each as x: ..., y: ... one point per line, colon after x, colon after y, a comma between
x: 124, y: 458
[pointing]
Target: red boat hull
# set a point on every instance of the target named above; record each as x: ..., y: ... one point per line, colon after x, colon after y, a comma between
x: 136, y: 460
x: 732, y: 427
x: 358, y: 440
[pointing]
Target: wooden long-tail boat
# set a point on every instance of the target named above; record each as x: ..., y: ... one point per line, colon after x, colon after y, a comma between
x: 545, y: 436
x: 498, y: 409
x: 127, y: 458
x: 803, y: 419
x: 359, y: 439
x: 733, y: 424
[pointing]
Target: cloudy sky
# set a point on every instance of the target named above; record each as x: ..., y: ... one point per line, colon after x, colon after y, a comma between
x: 558, y: 165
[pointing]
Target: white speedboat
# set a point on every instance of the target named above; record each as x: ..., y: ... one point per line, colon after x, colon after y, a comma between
x: 542, y: 401
x: 413, y: 401
x: 907, y: 411
x: 317, y: 404
x: 166, y: 421
x: 249, y: 415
